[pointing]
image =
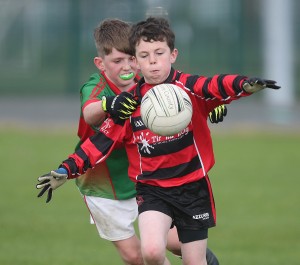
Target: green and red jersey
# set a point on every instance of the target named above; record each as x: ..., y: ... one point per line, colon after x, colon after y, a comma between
x: 110, y: 178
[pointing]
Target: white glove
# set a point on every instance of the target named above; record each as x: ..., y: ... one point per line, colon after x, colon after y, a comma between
x: 51, y: 181
x: 255, y: 84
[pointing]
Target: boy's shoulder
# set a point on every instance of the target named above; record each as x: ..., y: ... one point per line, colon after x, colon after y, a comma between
x: 95, y: 88
x: 94, y: 80
x: 96, y: 83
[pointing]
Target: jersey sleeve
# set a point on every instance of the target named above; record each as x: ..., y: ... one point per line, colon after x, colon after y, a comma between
x: 222, y: 87
x: 96, y: 148
x: 91, y: 90
x: 216, y: 90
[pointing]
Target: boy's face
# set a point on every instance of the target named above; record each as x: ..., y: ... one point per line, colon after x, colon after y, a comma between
x: 155, y: 60
x: 120, y: 68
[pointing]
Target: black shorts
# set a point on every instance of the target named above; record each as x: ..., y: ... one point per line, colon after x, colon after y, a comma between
x: 191, y: 206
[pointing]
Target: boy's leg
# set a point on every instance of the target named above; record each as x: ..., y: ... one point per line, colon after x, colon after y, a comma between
x: 194, y: 252
x: 174, y: 246
x: 114, y: 220
x: 154, y: 227
x: 130, y: 250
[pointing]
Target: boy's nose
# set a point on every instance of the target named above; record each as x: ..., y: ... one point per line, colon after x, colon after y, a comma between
x: 152, y: 59
x: 126, y: 66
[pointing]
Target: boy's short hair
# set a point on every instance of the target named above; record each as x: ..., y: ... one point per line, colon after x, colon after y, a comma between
x: 152, y: 29
x: 112, y: 33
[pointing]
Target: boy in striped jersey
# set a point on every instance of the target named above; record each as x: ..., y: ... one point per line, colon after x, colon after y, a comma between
x: 106, y: 187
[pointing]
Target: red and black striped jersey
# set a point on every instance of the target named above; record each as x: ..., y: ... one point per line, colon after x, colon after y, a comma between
x: 164, y: 161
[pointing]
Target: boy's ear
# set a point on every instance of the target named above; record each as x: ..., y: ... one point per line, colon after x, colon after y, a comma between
x: 174, y: 54
x: 98, y: 61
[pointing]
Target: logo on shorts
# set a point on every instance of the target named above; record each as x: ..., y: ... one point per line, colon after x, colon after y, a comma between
x: 203, y: 216
x: 139, y: 200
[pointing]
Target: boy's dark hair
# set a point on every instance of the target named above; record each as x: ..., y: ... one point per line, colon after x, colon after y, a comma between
x: 112, y: 33
x: 152, y: 29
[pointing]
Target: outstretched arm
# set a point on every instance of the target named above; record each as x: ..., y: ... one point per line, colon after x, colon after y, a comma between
x: 227, y: 87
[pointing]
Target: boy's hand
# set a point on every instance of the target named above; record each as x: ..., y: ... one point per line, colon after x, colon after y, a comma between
x: 120, y: 106
x: 51, y: 181
x: 255, y: 84
x: 217, y: 114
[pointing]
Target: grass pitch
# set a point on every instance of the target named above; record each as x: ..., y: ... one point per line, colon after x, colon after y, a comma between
x: 255, y: 181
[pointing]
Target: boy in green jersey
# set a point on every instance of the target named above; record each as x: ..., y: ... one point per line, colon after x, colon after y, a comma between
x: 108, y: 192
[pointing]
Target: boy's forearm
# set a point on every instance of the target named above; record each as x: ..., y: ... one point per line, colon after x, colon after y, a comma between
x: 93, y: 114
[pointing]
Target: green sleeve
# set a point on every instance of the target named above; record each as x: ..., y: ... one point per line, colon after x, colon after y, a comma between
x: 95, y: 88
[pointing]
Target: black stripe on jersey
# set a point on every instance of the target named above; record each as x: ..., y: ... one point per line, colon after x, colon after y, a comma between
x: 72, y: 165
x: 101, y: 142
x: 205, y: 92
x: 236, y: 84
x: 177, y: 76
x: 172, y: 172
x: 71, y: 162
x: 221, y: 86
x: 84, y: 157
x: 191, y: 81
x: 166, y: 147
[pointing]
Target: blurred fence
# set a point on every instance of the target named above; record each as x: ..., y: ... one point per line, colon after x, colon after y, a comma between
x: 47, y: 48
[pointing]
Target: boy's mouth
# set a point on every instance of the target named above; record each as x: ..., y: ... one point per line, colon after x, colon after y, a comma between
x: 126, y: 76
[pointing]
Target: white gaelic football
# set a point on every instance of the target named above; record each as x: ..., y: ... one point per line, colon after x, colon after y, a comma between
x: 166, y: 109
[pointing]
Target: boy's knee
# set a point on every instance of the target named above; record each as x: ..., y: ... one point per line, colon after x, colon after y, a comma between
x: 130, y: 252
x: 132, y: 258
x: 153, y: 255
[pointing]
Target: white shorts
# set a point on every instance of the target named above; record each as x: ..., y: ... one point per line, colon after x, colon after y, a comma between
x: 113, y: 218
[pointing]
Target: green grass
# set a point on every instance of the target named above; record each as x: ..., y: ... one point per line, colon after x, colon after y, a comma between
x: 255, y: 180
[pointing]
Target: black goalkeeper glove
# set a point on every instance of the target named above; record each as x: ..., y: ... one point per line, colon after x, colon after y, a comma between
x: 120, y: 106
x: 255, y: 84
x: 51, y: 181
x: 217, y: 114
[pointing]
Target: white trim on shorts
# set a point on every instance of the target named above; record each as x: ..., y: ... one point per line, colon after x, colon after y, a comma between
x: 114, y: 219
